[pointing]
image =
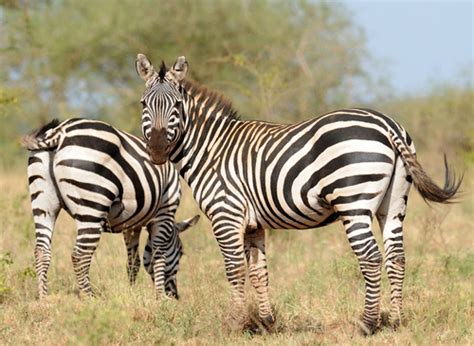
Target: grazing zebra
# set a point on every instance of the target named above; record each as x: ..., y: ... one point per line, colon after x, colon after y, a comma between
x: 350, y: 165
x: 103, y: 178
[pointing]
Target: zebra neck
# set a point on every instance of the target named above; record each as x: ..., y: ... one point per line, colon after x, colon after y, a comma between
x: 201, y: 153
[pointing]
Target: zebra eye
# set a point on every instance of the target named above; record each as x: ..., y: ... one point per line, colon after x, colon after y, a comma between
x: 143, y: 103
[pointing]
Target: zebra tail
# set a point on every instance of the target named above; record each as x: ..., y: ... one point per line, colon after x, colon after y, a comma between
x: 428, y: 189
x: 42, y: 138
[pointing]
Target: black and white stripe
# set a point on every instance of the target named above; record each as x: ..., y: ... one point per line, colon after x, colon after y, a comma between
x: 103, y: 178
x: 350, y: 165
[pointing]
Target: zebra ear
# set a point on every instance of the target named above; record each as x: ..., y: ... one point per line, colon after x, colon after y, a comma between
x: 184, y: 225
x: 179, y: 69
x: 144, y: 67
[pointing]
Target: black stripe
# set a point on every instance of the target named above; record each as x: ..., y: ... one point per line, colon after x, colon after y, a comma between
x: 38, y: 212
x: 40, y: 226
x: 89, y: 204
x: 353, y: 198
x: 350, y: 181
x: 34, y: 159
x: 32, y: 178
x: 35, y: 195
x: 84, y: 231
x: 88, y: 218
x: 356, y: 226
x: 91, y: 187
x: 355, y: 212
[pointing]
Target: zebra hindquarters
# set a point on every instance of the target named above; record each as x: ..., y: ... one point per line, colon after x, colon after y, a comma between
x: 356, y: 200
x: 390, y: 216
x: 45, y: 206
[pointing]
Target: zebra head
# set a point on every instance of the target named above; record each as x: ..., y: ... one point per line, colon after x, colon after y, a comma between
x: 172, y: 267
x: 163, y: 106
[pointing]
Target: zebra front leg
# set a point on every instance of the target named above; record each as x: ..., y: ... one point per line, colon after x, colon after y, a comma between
x: 154, y: 257
x: 86, y: 243
x: 364, y: 245
x: 231, y: 243
x: 159, y: 271
x: 258, y: 274
x: 132, y: 238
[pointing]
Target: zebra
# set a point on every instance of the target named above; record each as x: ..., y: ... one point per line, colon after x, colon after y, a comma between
x: 103, y: 178
x: 350, y: 165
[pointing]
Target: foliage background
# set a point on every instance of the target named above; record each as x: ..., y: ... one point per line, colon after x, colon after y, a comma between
x: 276, y: 60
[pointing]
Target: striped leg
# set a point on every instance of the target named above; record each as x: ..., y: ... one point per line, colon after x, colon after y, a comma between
x: 44, y: 224
x: 132, y: 238
x: 362, y: 241
x: 230, y: 237
x: 154, y: 257
x: 86, y: 242
x: 258, y: 273
x: 45, y: 206
x: 390, y: 216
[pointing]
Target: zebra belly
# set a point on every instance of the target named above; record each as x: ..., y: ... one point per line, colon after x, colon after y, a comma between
x: 284, y: 215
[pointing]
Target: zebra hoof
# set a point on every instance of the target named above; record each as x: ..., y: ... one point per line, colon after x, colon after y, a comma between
x: 260, y: 326
x: 391, y: 321
x: 238, y: 324
x: 395, y: 323
x: 367, y: 328
x: 268, y: 323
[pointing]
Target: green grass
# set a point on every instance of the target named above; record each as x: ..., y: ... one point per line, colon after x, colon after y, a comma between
x: 315, y: 284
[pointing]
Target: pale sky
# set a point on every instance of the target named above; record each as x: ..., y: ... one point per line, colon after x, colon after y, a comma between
x: 418, y: 43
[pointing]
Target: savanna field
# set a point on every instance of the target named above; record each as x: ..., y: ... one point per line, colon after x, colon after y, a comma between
x: 276, y: 60
x: 316, y: 287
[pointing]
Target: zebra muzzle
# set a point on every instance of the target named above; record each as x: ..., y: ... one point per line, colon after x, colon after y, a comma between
x: 158, y: 146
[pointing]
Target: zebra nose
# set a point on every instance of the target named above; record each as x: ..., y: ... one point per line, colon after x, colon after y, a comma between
x: 158, y: 146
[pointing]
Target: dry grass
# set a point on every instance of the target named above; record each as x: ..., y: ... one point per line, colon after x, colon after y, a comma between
x: 316, y: 286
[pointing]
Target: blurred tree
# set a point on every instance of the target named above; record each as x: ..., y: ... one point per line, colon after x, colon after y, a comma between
x: 277, y: 60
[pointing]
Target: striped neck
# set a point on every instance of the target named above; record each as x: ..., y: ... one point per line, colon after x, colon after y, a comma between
x: 205, y: 112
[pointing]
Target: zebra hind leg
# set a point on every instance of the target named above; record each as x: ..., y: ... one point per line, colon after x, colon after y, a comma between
x: 364, y: 245
x: 44, y: 225
x: 132, y: 238
x: 258, y: 274
x: 390, y: 216
x: 88, y: 237
x: 45, y: 206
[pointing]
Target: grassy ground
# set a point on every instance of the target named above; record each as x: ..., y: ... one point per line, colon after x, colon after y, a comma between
x: 316, y: 287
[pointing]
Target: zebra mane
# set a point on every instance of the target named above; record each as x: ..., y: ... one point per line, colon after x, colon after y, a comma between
x: 219, y: 101
x: 162, y: 72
